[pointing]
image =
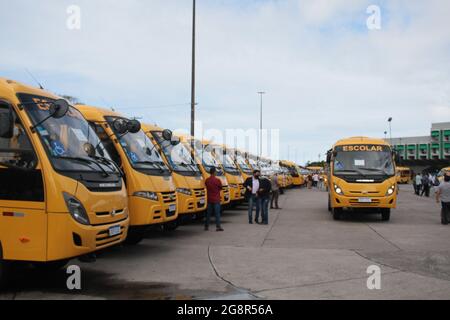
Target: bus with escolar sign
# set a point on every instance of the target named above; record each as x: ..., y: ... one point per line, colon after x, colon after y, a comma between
x: 361, y: 177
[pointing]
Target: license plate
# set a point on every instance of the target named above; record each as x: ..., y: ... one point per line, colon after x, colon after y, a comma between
x: 364, y: 200
x: 172, y: 207
x: 202, y: 201
x: 114, y: 231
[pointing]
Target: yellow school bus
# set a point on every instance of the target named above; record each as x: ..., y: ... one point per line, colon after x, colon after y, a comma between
x: 361, y: 177
x: 185, y: 171
x: 151, y: 190
x: 206, y: 159
x: 239, y: 158
x: 60, y: 197
x: 403, y: 175
x: 232, y: 172
x: 294, y: 172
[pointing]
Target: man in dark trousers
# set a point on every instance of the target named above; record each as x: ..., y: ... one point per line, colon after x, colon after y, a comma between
x: 443, y: 196
x: 213, y: 187
x: 251, y: 186
x: 265, y: 187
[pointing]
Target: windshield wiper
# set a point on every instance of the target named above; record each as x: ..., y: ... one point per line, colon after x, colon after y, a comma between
x: 156, y: 165
x: 86, y: 160
x: 110, y: 164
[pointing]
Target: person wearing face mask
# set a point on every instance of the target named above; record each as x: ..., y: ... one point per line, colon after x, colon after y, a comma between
x: 443, y: 196
x: 252, y: 186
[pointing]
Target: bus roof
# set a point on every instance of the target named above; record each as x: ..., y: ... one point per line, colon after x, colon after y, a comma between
x: 96, y: 113
x: 9, y: 89
x: 359, y: 140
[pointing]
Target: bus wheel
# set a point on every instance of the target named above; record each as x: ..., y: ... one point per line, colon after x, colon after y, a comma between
x: 170, y: 226
x: 51, y: 266
x: 135, y: 236
x: 4, y: 270
x: 337, y: 213
x: 386, y: 214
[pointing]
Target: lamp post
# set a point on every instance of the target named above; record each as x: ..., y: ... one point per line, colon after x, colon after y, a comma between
x: 261, y: 93
x: 193, y: 72
x: 390, y: 129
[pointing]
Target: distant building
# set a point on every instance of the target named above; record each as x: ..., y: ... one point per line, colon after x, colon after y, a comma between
x: 426, y: 150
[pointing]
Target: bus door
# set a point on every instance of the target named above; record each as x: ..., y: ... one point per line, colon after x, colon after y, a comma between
x: 23, y: 222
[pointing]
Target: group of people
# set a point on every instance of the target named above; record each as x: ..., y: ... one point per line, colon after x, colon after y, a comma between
x: 259, y: 192
x: 423, y: 183
x: 314, y: 181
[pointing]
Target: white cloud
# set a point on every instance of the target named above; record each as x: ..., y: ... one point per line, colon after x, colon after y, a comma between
x: 326, y: 76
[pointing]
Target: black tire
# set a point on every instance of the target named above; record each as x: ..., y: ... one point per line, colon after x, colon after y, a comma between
x: 170, y: 226
x: 51, y: 266
x: 3, y: 273
x: 386, y: 214
x: 337, y: 213
x: 135, y: 236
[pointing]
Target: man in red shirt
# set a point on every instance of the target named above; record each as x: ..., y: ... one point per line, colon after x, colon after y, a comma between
x: 213, y: 188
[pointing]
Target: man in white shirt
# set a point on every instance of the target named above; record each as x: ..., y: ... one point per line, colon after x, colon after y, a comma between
x: 418, y: 184
x: 251, y: 186
x: 443, y: 196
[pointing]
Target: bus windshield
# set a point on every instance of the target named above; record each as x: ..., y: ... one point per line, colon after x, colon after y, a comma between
x: 209, y: 160
x: 243, y: 164
x: 65, y: 139
x: 229, y: 165
x: 178, y: 156
x: 141, y: 151
x: 371, y: 160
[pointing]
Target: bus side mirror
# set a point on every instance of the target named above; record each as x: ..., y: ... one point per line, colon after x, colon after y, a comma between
x: 59, y: 108
x: 133, y: 126
x: 167, y: 135
x: 120, y: 126
x: 175, y: 141
x: 6, y: 123
x: 328, y: 157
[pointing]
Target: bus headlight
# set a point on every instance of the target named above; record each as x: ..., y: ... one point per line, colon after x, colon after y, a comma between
x: 390, y: 190
x: 338, y: 190
x: 147, y: 195
x: 185, y: 191
x: 76, y: 209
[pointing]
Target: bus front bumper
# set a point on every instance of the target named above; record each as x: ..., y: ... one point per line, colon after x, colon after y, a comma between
x: 69, y: 239
x: 342, y: 201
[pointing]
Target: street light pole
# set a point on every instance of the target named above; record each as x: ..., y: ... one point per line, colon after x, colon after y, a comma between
x: 193, y: 72
x: 261, y: 93
x: 390, y: 129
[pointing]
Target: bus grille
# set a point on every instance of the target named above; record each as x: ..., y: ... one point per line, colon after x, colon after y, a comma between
x: 103, y: 238
x: 169, y: 197
x: 200, y: 192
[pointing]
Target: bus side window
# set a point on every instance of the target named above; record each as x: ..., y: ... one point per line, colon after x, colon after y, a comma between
x: 19, y: 182
x: 107, y: 142
x: 17, y: 150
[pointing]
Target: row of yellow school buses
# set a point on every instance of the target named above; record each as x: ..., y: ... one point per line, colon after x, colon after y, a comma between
x: 78, y: 179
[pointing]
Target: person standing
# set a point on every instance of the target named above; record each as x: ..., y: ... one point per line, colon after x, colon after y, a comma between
x: 265, y: 187
x: 275, y: 192
x: 418, y: 181
x: 425, y: 185
x: 213, y: 188
x: 443, y: 196
x: 251, y: 186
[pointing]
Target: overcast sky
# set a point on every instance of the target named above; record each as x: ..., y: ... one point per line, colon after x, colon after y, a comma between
x: 326, y: 75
